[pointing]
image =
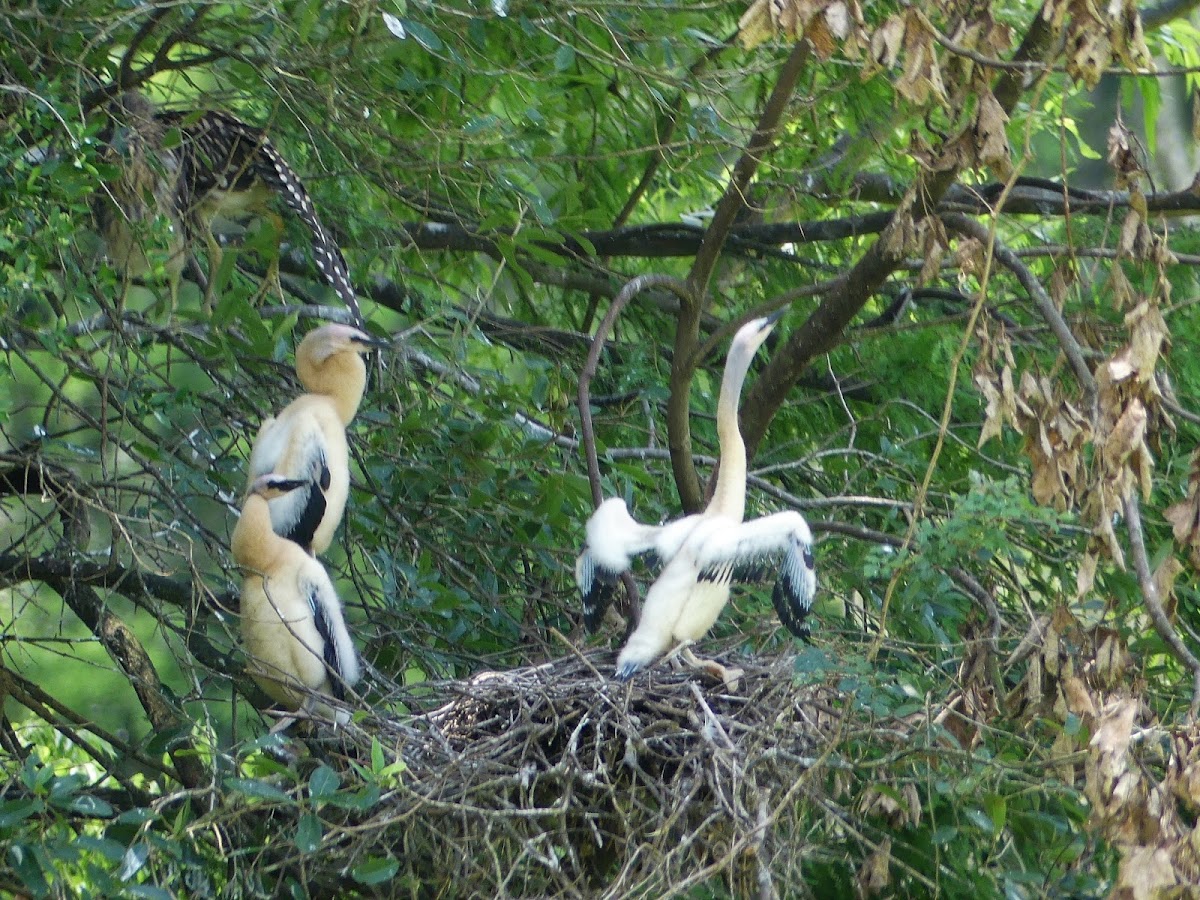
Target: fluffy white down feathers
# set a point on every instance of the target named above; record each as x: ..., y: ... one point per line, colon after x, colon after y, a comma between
x: 701, y: 554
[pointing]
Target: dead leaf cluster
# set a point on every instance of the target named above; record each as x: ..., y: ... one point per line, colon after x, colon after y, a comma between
x: 1184, y: 516
x: 1148, y: 810
x: 1141, y: 779
x: 1062, y: 663
x: 1096, y: 35
x: 826, y: 24
x: 991, y: 139
x: 992, y: 375
x: 1056, y: 432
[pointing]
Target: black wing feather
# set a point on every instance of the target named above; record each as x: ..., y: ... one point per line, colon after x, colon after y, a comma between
x: 330, y: 652
x: 600, y: 586
x: 313, y: 509
x: 749, y: 570
x: 793, y: 593
x: 794, y: 588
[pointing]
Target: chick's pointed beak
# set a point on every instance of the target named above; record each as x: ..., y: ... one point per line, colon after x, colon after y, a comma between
x: 366, y: 340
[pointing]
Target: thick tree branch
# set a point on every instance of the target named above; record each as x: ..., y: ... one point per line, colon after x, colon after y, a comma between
x: 128, y: 653
x: 17, y: 568
x: 1166, y: 12
x: 687, y: 328
x: 733, y: 202
x: 1029, y: 196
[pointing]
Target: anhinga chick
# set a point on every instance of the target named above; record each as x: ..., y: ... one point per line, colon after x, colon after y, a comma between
x: 307, y: 439
x: 701, y: 554
x: 293, y: 629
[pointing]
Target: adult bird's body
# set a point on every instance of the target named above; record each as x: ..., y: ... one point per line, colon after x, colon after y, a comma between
x: 292, y: 624
x: 196, y: 167
x: 307, y: 439
x: 702, y: 554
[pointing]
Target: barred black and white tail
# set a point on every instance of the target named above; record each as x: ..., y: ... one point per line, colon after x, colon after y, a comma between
x: 279, y: 175
x: 222, y: 156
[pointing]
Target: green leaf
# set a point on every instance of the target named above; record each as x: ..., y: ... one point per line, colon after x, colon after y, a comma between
x: 105, y: 847
x: 14, y: 811
x: 309, y: 832
x: 564, y: 59
x: 423, y: 35
x: 943, y: 835
x: 137, y: 816
x: 323, y: 783
x: 25, y: 863
x: 261, y: 790
x: 361, y: 800
x: 375, y: 870
x: 997, y: 808
x: 87, y: 805
x: 133, y: 861
x: 148, y: 891
x: 377, y: 761
x: 980, y: 820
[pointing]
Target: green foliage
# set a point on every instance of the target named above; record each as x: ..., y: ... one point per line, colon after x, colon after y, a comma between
x: 478, y: 164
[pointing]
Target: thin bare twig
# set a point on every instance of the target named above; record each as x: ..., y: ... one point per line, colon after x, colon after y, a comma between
x: 587, y: 429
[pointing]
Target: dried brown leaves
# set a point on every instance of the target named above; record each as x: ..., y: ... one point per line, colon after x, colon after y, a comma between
x: 1185, y: 515
x: 1144, y: 807
x: 827, y: 24
x: 1141, y: 780
x: 1098, y: 34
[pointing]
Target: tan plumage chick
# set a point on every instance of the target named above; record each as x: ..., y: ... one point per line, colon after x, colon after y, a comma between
x: 306, y: 441
x: 293, y: 629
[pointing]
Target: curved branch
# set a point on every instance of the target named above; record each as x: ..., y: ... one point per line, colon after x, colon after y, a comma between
x: 1154, y: 603
x: 125, y: 78
x: 587, y: 430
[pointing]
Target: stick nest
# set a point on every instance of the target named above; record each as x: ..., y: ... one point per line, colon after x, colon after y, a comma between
x: 558, y: 780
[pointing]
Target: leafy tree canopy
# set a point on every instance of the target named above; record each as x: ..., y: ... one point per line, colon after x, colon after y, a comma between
x: 980, y: 220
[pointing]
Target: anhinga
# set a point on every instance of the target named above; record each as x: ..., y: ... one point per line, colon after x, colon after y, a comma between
x: 193, y: 168
x: 702, y: 554
x: 307, y: 439
x: 292, y: 624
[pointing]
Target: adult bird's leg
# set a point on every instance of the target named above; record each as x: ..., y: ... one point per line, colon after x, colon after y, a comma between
x: 273, y: 279
x: 215, y: 257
